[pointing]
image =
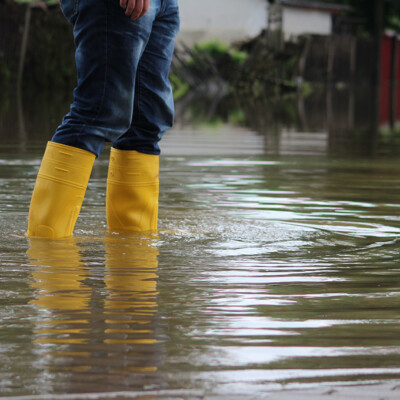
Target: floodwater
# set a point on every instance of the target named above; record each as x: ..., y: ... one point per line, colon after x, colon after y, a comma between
x: 275, y: 266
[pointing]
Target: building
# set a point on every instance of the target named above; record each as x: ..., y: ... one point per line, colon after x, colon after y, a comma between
x: 225, y: 20
x: 232, y: 20
x: 296, y: 17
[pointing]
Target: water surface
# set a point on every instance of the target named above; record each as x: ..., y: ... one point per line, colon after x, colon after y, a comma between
x: 270, y: 269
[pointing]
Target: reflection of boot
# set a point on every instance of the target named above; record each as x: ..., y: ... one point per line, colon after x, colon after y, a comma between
x: 132, y: 191
x: 61, y: 296
x: 131, y: 282
x: 59, y: 190
x: 58, y: 274
x: 131, y: 305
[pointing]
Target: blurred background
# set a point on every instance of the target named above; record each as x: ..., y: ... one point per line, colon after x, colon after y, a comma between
x: 307, y: 76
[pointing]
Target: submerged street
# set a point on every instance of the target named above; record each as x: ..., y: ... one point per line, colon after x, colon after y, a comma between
x: 275, y: 268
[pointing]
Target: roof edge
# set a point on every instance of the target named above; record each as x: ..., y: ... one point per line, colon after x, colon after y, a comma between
x: 315, y: 5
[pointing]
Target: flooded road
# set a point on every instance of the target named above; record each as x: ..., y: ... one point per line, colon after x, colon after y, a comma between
x: 270, y: 271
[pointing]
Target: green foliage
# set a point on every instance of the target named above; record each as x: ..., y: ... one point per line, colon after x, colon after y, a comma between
x: 306, y: 89
x: 237, y: 117
x: 215, y: 60
x: 238, y: 56
x: 179, y: 86
x: 394, y: 23
x: 218, y: 50
x: 250, y: 70
x: 215, y: 49
x: 388, y: 134
x: 390, y: 140
x: 267, y: 72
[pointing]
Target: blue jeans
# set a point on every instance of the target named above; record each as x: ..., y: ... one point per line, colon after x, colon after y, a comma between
x: 123, y: 94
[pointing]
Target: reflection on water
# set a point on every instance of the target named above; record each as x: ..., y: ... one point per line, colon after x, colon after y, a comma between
x: 95, y: 322
x: 58, y: 275
x: 338, y: 121
x: 271, y: 268
x: 334, y: 121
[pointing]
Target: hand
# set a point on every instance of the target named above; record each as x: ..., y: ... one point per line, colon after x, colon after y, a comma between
x: 135, y: 8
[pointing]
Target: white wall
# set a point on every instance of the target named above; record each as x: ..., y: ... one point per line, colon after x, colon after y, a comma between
x: 227, y: 20
x: 297, y: 22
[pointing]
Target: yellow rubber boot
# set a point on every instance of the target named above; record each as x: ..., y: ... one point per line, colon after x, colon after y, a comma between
x: 132, y: 191
x: 59, y: 191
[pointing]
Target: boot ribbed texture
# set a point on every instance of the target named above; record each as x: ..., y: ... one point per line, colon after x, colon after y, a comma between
x: 59, y: 191
x: 132, y: 191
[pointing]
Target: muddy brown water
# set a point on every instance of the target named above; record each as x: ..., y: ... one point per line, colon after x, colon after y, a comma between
x: 269, y: 269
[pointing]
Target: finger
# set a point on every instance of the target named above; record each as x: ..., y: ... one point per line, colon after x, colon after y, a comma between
x: 122, y: 3
x: 130, y: 7
x: 138, y: 9
x: 146, y: 5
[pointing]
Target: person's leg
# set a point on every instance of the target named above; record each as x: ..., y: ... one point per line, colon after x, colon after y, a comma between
x: 132, y: 185
x: 153, y: 111
x: 108, y: 48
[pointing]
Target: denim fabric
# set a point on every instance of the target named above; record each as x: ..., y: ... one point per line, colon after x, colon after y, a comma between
x: 123, y: 93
